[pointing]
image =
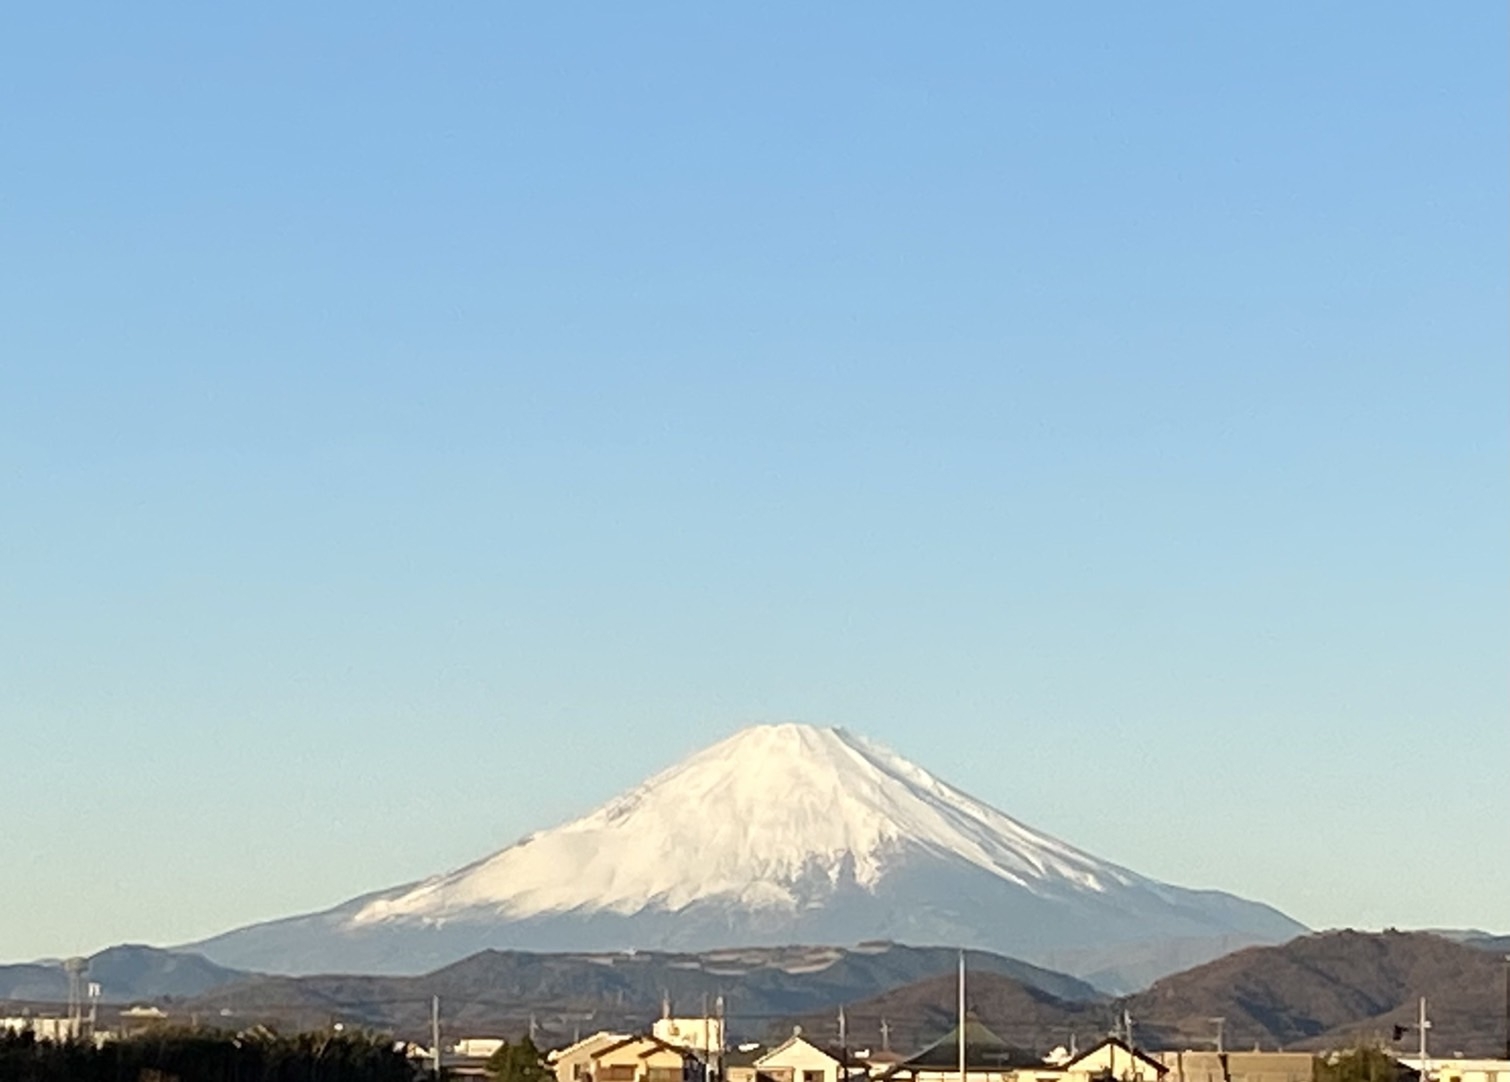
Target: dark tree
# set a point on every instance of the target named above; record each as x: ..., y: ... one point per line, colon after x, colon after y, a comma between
x: 521, y: 1062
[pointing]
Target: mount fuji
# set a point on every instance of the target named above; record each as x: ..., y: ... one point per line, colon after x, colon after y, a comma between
x: 779, y: 834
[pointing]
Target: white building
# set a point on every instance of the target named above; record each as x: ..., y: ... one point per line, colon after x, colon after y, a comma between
x: 1461, y: 1070
x: 477, y: 1047
x: 703, y: 1035
x: 45, y: 1029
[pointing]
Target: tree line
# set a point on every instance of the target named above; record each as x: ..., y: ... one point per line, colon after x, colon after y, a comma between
x: 199, y: 1056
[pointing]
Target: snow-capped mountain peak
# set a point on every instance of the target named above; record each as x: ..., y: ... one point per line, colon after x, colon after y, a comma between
x: 774, y: 817
x: 781, y: 834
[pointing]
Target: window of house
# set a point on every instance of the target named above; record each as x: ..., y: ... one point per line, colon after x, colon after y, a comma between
x: 812, y: 1076
x: 616, y: 1073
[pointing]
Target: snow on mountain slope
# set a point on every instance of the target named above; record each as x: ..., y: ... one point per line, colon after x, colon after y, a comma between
x: 750, y: 820
x: 780, y: 834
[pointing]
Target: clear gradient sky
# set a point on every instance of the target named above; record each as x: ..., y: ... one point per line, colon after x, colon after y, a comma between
x: 420, y: 422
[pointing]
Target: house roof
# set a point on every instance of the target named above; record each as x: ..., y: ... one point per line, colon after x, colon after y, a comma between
x: 742, y: 1057
x: 1116, y: 1042
x: 795, y: 1038
x: 655, y: 1043
x: 984, y: 1051
x: 600, y: 1039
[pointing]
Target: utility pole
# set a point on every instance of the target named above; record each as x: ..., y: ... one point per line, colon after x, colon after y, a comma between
x: 1127, y: 1033
x: 1422, y: 1025
x: 886, y: 1032
x: 707, y: 1038
x: 1221, y: 1026
x: 1507, y: 1006
x: 962, y: 1017
x: 718, y: 1019
x: 435, y: 1032
x: 843, y: 1046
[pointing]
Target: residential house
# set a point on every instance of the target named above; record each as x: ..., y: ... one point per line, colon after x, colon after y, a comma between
x: 738, y: 1064
x: 574, y: 1062
x: 797, y: 1059
x: 1111, y: 1059
x: 646, y: 1059
x: 140, y: 1019
x: 1461, y: 1070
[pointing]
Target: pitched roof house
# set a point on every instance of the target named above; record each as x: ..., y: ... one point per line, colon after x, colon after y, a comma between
x: 574, y: 1062
x: 645, y: 1059
x: 1113, y: 1059
x: 797, y: 1059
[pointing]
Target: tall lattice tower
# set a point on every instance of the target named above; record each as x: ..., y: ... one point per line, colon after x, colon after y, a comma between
x: 76, y: 968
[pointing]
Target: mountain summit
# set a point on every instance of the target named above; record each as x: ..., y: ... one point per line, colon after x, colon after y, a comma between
x: 774, y: 819
x: 778, y: 834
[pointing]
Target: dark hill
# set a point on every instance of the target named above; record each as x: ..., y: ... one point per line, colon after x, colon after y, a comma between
x: 125, y: 974
x: 1328, y: 989
x: 919, y: 1013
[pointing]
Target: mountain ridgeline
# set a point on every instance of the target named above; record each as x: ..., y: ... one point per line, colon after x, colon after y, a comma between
x: 1326, y: 991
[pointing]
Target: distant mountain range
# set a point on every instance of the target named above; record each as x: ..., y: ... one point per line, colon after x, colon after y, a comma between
x: 560, y: 993
x: 779, y: 834
x: 1318, y: 991
x: 1321, y: 991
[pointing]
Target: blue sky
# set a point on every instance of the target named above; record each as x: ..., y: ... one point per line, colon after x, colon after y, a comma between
x: 418, y: 424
